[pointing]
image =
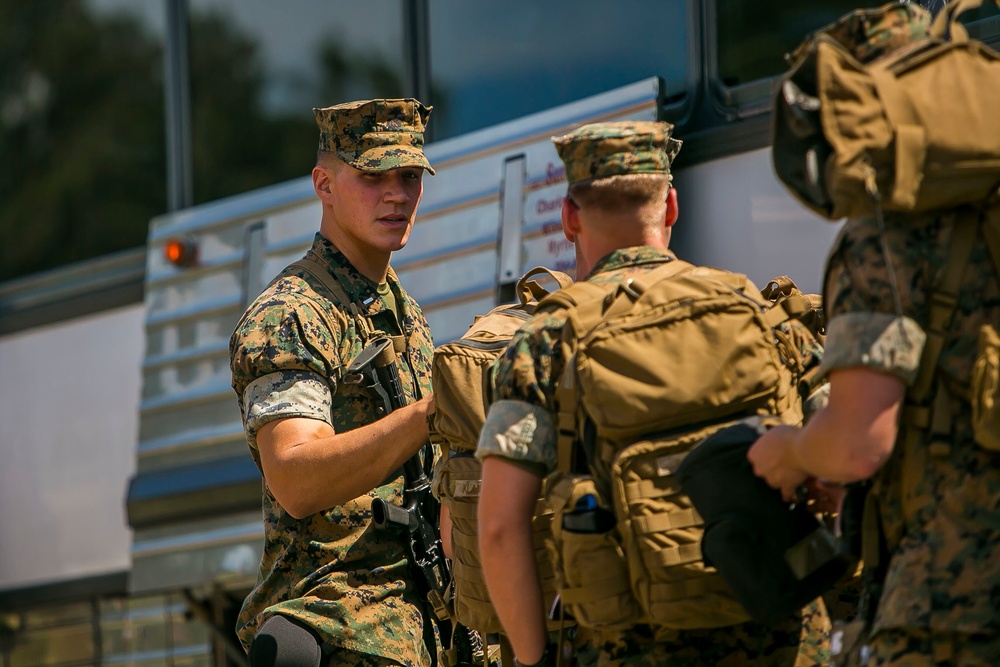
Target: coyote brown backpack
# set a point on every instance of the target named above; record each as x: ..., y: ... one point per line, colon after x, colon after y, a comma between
x: 887, y: 106
x: 654, y: 366
x: 459, y: 375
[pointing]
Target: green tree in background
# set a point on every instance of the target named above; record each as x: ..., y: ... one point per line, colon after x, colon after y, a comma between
x: 237, y: 144
x: 82, y: 134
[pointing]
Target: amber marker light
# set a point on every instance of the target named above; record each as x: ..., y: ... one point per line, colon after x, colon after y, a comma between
x: 181, y: 252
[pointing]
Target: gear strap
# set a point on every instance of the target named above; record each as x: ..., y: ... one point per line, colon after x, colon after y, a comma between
x: 321, y: 272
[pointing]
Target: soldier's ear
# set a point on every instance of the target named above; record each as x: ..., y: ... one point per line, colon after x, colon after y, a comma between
x: 322, y: 178
x: 670, y: 217
x: 570, y: 219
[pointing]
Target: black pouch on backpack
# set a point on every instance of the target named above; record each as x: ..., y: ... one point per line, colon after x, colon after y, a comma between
x: 776, y: 557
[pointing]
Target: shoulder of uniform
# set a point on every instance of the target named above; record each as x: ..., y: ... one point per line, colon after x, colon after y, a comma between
x: 292, y: 296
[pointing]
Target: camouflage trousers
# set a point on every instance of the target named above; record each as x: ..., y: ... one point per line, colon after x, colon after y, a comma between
x: 802, y: 640
x: 342, y: 658
x: 923, y: 648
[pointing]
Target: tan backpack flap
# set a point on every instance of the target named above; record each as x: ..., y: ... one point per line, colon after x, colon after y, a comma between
x: 914, y: 126
x: 457, y: 371
x: 700, y: 330
x: 946, y: 133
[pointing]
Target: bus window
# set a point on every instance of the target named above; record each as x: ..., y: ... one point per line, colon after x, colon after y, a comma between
x: 755, y: 35
x: 984, y: 23
x: 495, y: 60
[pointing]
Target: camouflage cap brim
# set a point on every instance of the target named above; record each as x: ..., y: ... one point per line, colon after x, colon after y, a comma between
x: 384, y: 158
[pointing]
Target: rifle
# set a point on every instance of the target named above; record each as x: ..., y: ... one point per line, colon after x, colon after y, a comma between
x: 418, y: 516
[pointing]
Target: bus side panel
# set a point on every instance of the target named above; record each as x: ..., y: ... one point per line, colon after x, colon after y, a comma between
x: 735, y: 215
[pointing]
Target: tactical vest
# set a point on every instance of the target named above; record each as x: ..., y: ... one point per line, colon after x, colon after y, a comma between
x: 654, y: 366
x: 460, y: 374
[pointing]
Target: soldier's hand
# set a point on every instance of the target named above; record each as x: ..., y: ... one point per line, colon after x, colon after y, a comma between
x: 773, y: 460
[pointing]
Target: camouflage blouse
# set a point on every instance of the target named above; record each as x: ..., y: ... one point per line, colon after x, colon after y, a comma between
x: 333, y: 570
x: 945, y: 574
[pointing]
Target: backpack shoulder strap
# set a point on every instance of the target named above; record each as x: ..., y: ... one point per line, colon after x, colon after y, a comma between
x: 944, y: 300
x: 321, y: 272
x: 917, y: 416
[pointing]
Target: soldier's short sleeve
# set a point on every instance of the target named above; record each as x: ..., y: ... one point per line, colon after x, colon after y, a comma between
x: 284, y: 362
x: 863, y: 328
x: 283, y: 395
x: 520, y: 425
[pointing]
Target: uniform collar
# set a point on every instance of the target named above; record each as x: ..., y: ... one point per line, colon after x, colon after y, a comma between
x: 633, y: 256
x: 362, y: 290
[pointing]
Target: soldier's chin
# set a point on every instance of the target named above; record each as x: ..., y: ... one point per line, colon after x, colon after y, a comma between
x: 394, y: 244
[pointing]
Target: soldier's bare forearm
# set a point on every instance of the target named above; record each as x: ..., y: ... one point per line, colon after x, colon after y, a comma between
x: 506, y: 547
x: 309, y: 468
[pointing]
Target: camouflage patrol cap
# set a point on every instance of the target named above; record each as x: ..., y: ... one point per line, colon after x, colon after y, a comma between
x: 600, y: 150
x: 375, y: 135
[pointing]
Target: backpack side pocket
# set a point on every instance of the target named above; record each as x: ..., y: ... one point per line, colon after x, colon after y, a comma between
x: 591, y: 570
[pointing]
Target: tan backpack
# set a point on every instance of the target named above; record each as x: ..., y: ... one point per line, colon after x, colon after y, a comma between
x: 459, y: 375
x: 654, y: 366
x: 885, y: 104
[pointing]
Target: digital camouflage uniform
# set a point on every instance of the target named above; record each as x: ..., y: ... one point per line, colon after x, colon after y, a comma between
x: 941, y: 602
x: 521, y: 428
x: 334, y: 571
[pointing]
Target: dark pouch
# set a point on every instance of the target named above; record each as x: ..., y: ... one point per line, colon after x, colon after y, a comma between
x: 775, y: 557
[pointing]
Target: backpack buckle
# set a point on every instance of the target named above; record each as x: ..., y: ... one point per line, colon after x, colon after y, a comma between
x: 629, y: 288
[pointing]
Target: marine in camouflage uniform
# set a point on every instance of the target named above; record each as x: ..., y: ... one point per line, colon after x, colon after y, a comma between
x: 524, y: 394
x: 332, y: 571
x: 939, y: 603
x: 937, y: 491
x: 941, y: 599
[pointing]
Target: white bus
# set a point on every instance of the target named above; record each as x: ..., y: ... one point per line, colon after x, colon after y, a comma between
x: 190, y: 541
